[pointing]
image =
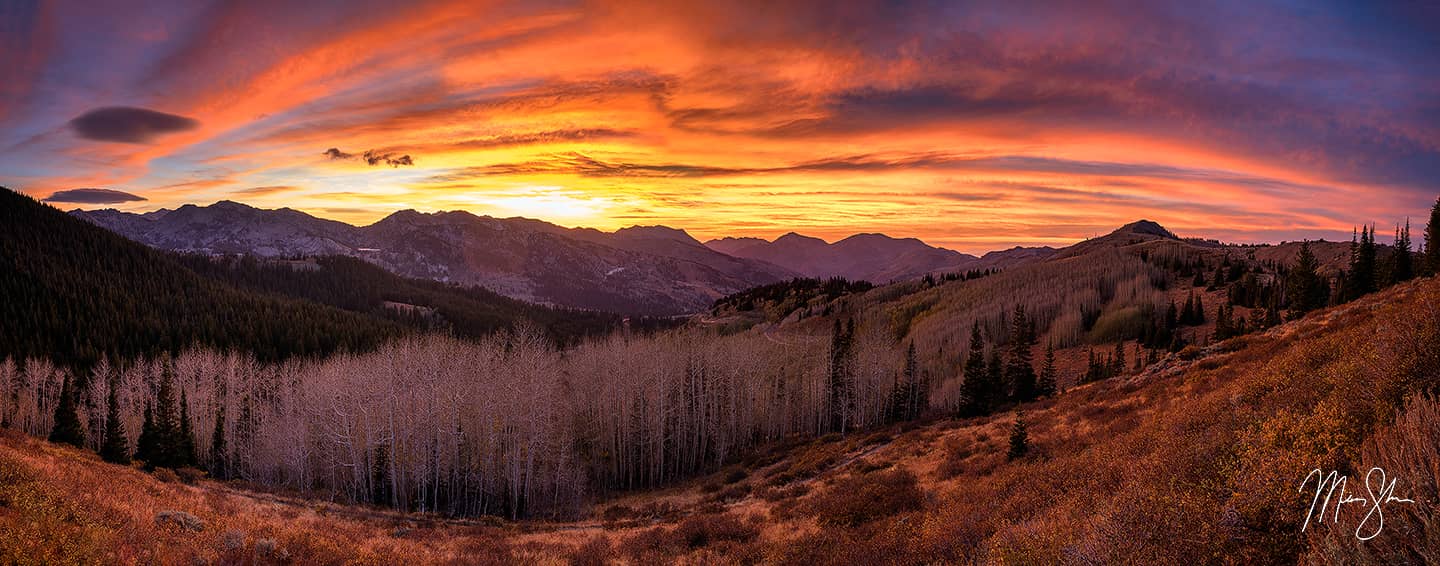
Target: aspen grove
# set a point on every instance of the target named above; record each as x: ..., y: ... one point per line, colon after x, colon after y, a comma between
x: 504, y: 425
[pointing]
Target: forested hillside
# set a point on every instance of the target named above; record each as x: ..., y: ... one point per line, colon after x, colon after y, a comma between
x: 510, y: 425
x: 354, y: 285
x: 74, y: 293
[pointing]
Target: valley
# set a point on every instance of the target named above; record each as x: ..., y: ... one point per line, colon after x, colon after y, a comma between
x: 803, y: 421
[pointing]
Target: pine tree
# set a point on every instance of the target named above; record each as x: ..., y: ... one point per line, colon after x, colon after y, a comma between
x: 1046, y: 385
x: 1432, y: 241
x: 1306, y: 289
x: 146, y: 446
x: 116, y: 448
x: 164, y: 447
x: 996, y: 391
x: 218, y: 456
x: 973, y: 389
x: 185, y: 451
x: 1401, y: 267
x: 67, y: 429
x: 1222, y: 323
x: 1117, y: 362
x: 907, y: 400
x: 1019, y: 439
x: 1361, y: 278
x: 1019, y: 372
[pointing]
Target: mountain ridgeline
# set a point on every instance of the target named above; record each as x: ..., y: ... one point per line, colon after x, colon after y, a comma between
x: 876, y: 258
x: 642, y: 270
x: 76, y: 293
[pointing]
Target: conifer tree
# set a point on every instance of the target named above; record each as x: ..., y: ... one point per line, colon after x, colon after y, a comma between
x: 218, y: 455
x: 116, y: 447
x: 1019, y: 439
x: 1222, y: 323
x: 164, y: 447
x: 907, y: 400
x: 1432, y: 241
x: 996, y: 390
x: 1361, y: 278
x: 185, y: 449
x: 1117, y: 362
x: 67, y: 429
x: 1019, y: 371
x: 1401, y: 267
x: 146, y: 446
x: 1306, y: 289
x: 1046, y: 385
x: 973, y: 389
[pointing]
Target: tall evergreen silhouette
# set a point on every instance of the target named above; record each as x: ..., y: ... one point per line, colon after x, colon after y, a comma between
x: 67, y: 429
x: 146, y: 446
x: 840, y: 382
x: 219, y: 458
x: 1432, y: 241
x: 163, y: 443
x: 185, y: 443
x: 1361, y: 279
x: 116, y: 447
x: 1305, y: 288
x: 1046, y: 385
x: 973, y: 390
x: 1019, y: 371
x: 1401, y: 265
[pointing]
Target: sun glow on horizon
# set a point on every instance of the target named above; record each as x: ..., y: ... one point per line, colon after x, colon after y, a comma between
x: 971, y: 127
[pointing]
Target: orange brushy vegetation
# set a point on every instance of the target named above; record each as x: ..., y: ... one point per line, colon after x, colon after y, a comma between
x: 1197, y: 459
x: 59, y: 505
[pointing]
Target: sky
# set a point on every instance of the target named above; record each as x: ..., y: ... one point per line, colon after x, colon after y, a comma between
x: 974, y: 126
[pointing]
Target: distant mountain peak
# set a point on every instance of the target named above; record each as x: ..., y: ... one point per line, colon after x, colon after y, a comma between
x: 797, y: 237
x: 655, y: 231
x: 1147, y: 227
x: 230, y: 205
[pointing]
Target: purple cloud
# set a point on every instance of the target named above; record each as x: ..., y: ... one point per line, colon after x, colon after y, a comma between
x: 128, y: 125
x: 93, y: 196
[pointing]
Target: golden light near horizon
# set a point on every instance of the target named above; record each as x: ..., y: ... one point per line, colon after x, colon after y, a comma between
x: 970, y: 127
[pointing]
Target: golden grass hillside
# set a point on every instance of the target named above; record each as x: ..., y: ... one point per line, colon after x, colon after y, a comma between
x: 1192, y: 461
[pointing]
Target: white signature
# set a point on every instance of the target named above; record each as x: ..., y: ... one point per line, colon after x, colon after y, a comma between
x: 1328, y: 484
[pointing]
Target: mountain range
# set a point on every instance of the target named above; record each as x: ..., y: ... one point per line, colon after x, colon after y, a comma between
x: 651, y: 270
x: 643, y: 270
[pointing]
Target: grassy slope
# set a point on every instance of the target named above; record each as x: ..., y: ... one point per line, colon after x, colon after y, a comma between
x: 1192, y: 461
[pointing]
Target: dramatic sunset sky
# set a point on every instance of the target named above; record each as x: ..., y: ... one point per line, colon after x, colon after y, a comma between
x: 970, y: 125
